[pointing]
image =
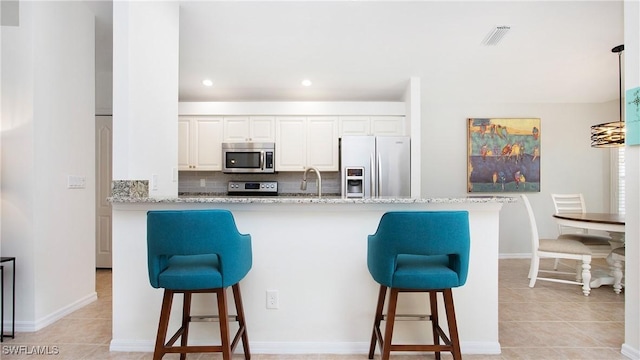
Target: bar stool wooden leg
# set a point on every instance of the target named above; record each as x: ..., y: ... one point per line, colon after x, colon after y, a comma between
x: 186, y: 313
x: 451, y: 342
x: 224, y: 323
x: 243, y: 327
x: 433, y: 302
x: 163, y: 324
x: 376, y: 336
x: 391, y: 317
x: 453, y: 328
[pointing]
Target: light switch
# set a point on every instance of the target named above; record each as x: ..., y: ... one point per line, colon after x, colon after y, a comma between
x: 154, y: 182
x: 76, y: 182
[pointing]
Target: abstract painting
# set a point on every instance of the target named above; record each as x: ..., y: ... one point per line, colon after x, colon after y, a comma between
x: 503, y: 155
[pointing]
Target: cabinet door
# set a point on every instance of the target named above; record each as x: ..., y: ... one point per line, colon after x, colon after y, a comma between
x: 355, y: 125
x: 208, y: 143
x: 236, y: 129
x: 387, y: 125
x: 322, y: 143
x: 261, y: 129
x: 184, y: 143
x: 291, y: 144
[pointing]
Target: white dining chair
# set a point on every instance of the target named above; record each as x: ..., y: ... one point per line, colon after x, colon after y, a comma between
x: 574, y: 203
x: 617, y: 256
x: 557, y: 249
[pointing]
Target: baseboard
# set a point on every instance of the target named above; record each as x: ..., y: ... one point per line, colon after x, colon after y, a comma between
x: 287, y: 348
x: 480, y: 347
x: 630, y: 352
x: 514, y: 256
x: 32, y: 326
x: 132, y: 345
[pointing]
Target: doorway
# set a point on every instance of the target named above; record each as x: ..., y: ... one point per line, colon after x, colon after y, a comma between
x: 104, y: 136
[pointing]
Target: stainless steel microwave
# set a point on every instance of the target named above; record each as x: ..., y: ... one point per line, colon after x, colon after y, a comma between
x: 248, y: 157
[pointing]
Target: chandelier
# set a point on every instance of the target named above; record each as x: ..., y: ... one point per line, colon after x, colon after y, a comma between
x: 611, y: 134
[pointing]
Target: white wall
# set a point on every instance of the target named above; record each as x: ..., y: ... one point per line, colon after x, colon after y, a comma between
x: 412, y: 99
x: 145, y: 103
x: 47, y: 134
x: 569, y: 164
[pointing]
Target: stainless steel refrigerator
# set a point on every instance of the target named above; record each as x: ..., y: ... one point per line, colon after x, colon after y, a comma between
x: 386, y: 161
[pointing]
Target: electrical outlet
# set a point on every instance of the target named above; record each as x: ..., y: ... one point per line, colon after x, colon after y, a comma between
x: 272, y: 299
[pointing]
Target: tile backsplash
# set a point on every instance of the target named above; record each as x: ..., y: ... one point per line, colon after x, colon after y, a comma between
x: 215, y: 182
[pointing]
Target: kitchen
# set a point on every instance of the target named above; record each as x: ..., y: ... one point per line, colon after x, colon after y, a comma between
x: 277, y: 222
x: 132, y: 160
x: 281, y: 163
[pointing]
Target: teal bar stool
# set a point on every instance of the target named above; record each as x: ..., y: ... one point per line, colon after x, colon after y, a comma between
x: 419, y: 251
x: 197, y: 251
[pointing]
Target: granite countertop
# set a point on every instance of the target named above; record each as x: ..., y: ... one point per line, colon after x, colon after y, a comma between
x: 137, y: 192
x: 309, y: 199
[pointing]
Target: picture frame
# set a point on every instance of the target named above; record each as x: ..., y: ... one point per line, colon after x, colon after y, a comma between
x: 503, y: 155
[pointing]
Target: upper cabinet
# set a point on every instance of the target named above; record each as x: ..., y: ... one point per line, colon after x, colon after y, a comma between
x: 303, y: 142
x: 252, y: 129
x: 355, y: 125
x: 291, y: 143
x: 199, y: 143
x: 372, y: 125
x: 322, y: 143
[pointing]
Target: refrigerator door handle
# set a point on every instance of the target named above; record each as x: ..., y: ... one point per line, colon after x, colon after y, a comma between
x: 379, y: 169
x: 372, y: 177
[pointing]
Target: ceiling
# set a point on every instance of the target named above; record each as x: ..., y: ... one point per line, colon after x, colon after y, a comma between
x: 555, y: 51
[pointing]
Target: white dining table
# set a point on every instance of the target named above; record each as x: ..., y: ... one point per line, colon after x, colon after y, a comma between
x: 613, y: 224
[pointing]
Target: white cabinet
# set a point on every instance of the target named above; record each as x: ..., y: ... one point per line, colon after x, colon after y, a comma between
x: 199, y: 143
x: 306, y: 141
x: 301, y: 141
x: 322, y: 143
x: 245, y: 128
x: 355, y: 125
x: 372, y: 125
x: 184, y: 145
x: 291, y: 143
x: 388, y: 125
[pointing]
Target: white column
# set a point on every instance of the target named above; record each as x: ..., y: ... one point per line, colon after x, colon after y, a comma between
x: 145, y: 93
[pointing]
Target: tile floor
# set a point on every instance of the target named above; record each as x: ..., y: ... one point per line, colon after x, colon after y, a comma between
x: 551, y: 321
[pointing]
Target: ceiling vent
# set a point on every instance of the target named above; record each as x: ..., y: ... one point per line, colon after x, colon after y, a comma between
x: 495, y: 35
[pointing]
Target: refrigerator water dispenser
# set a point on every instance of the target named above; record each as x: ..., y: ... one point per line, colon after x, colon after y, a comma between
x: 354, y: 182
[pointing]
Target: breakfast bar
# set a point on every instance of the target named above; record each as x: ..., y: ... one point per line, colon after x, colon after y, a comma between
x: 311, y: 252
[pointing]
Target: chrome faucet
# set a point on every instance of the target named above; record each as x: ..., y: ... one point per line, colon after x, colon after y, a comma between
x: 303, y: 185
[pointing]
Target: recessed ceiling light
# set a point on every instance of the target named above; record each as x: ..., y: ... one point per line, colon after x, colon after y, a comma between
x: 207, y: 82
x: 306, y: 82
